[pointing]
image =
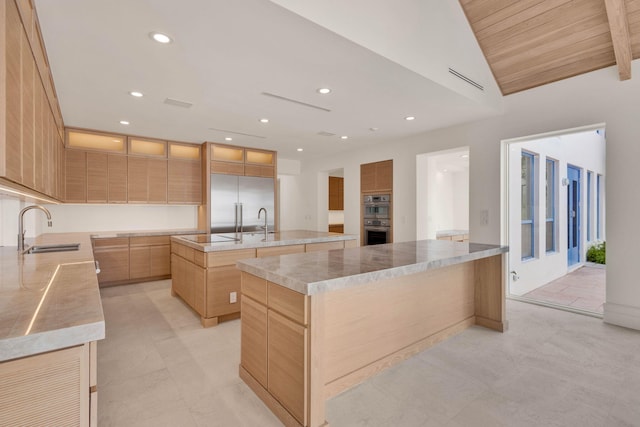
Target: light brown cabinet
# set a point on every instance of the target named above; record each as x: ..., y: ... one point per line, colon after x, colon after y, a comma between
x: 232, y: 160
x: 149, y: 257
x: 146, y: 180
x: 117, y: 178
x: 75, y: 176
x: 376, y: 177
x: 30, y: 121
x: 95, y: 177
x: 55, y: 388
x: 112, y: 255
x: 184, y: 174
x: 336, y: 193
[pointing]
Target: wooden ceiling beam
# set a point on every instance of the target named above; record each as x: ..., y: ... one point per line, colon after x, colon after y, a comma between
x: 619, y: 26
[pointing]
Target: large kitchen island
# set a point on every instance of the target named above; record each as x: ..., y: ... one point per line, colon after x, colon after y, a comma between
x: 316, y: 324
x: 203, y: 267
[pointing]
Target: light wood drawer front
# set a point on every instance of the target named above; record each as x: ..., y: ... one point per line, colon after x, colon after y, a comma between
x: 289, y: 303
x: 183, y: 251
x: 222, y: 258
x: 111, y: 242
x: 227, y: 168
x: 149, y: 240
x: 200, y: 258
x: 253, y: 355
x: 254, y: 287
x: 280, y: 250
x: 287, y: 364
x: 324, y: 246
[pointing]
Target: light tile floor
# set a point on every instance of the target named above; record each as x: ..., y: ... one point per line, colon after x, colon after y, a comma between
x: 584, y: 288
x: 159, y: 367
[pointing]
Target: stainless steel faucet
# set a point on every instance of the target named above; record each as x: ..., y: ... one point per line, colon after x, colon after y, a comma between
x: 266, y: 231
x: 21, y: 229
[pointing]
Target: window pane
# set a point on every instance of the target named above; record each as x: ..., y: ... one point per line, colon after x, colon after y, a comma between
x: 549, y: 235
x: 526, y: 241
x: 527, y: 163
x: 549, y: 198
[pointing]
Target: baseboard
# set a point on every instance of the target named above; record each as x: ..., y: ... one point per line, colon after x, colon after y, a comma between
x: 622, y: 315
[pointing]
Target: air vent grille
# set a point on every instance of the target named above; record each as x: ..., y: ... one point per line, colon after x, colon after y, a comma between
x: 237, y: 133
x: 466, y: 79
x: 323, y: 133
x: 304, y: 104
x: 178, y: 103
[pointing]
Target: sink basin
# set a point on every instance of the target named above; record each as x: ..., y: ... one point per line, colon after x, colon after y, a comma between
x: 39, y: 249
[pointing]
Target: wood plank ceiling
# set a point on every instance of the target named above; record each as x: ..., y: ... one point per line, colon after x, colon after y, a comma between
x: 530, y: 43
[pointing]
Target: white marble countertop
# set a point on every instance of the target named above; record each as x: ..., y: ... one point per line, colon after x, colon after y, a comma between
x: 231, y: 241
x: 315, y: 272
x: 144, y: 233
x: 444, y: 233
x: 49, y: 301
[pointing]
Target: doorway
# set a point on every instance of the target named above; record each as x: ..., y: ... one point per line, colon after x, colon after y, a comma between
x: 573, y: 215
x: 550, y: 218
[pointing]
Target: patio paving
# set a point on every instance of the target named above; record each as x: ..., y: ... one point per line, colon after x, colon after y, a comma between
x: 583, y: 288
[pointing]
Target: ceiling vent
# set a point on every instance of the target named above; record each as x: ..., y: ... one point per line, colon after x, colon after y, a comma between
x: 304, y: 104
x: 323, y: 133
x: 177, y: 103
x: 466, y: 79
x: 237, y: 133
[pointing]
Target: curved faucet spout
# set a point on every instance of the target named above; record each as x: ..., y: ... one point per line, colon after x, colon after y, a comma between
x: 21, y: 229
x: 266, y: 232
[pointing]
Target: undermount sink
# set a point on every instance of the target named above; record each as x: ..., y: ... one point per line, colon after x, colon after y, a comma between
x: 64, y: 247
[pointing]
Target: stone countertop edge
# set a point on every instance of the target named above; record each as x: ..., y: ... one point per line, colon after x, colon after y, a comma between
x: 144, y: 233
x: 253, y: 244
x: 339, y: 283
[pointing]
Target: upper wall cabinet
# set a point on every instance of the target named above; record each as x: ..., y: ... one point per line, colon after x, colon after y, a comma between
x: 232, y: 160
x: 336, y: 193
x: 99, y: 141
x: 30, y: 121
x: 376, y: 177
x: 185, y: 174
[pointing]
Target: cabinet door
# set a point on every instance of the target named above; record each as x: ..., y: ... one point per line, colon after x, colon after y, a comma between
x: 287, y: 364
x: 160, y: 260
x: 117, y: 184
x: 137, y: 179
x: 28, y: 68
x: 76, y: 176
x: 368, y: 177
x: 139, y: 262
x: 97, y: 172
x: 13, y: 137
x: 157, y: 180
x: 221, y: 282
x: 336, y: 193
x: 114, y: 264
x: 184, y: 181
x: 253, y: 345
x: 384, y: 176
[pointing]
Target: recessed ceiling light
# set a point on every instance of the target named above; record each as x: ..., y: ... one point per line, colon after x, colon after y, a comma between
x: 373, y: 129
x: 344, y: 137
x: 136, y: 94
x: 228, y: 138
x: 444, y: 170
x: 160, y: 38
x: 409, y: 118
x: 324, y: 90
x: 300, y: 149
x: 465, y: 156
x: 264, y: 120
x: 124, y: 122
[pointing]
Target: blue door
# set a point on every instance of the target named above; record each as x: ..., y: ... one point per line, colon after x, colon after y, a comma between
x: 573, y: 215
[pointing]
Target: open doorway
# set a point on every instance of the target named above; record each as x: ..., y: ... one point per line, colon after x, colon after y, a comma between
x: 555, y: 208
x: 442, y: 195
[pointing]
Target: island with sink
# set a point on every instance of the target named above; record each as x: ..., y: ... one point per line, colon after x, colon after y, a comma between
x: 50, y: 321
x: 316, y: 324
x: 203, y: 267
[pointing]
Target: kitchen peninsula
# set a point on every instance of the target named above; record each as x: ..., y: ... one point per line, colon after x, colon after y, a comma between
x: 316, y: 324
x: 203, y: 267
x: 50, y: 320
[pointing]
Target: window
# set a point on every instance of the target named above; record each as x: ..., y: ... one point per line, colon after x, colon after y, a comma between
x: 550, y: 199
x: 527, y: 203
x: 589, y: 205
x: 598, y: 206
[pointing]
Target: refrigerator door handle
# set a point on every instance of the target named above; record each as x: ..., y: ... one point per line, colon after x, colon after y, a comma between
x: 235, y: 222
x: 241, y: 222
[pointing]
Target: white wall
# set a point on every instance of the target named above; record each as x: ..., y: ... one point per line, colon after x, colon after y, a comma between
x: 595, y: 97
x: 585, y: 150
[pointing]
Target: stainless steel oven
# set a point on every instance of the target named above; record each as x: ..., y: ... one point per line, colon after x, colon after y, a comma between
x: 376, y: 232
x: 377, y: 206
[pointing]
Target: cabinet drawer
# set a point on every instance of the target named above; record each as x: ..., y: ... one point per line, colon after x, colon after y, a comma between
x: 222, y: 258
x: 149, y: 240
x: 254, y: 287
x: 290, y: 304
x: 111, y: 242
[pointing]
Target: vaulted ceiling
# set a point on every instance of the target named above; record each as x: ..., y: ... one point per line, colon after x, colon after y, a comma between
x: 529, y: 43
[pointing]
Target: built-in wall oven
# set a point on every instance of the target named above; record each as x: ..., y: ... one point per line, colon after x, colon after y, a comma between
x: 376, y: 219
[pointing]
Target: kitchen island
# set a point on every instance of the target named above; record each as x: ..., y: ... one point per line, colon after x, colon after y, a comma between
x: 50, y: 320
x: 316, y: 324
x: 203, y: 267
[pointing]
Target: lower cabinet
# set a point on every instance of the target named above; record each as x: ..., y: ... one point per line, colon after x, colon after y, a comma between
x: 112, y: 255
x: 55, y: 388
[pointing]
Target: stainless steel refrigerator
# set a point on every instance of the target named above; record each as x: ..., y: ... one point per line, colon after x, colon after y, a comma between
x: 236, y: 200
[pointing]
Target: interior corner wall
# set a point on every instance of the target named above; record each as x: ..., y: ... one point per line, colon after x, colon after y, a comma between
x: 587, y: 99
